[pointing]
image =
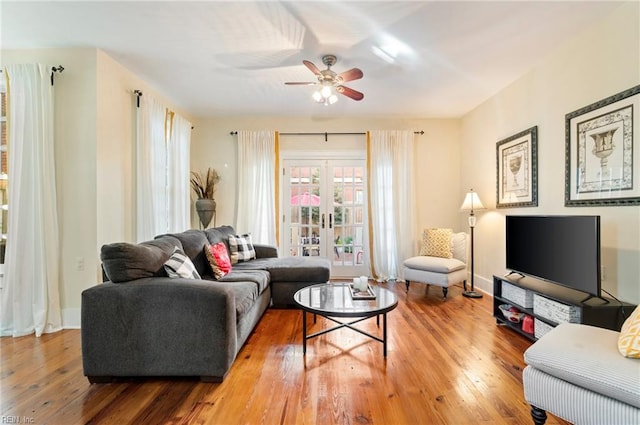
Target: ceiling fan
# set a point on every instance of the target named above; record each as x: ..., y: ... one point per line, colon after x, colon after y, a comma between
x: 330, y: 81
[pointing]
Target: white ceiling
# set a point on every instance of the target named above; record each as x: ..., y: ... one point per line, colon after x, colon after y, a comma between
x: 216, y: 58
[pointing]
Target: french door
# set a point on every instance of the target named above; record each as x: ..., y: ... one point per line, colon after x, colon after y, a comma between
x: 324, y: 213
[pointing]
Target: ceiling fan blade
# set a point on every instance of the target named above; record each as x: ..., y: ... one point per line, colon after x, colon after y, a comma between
x: 353, y: 94
x: 350, y: 75
x: 300, y: 83
x: 311, y: 67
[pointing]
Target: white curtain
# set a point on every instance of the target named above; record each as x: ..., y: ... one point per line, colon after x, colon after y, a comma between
x: 178, y: 196
x: 151, y: 157
x: 30, y: 293
x: 256, y: 185
x: 392, y: 201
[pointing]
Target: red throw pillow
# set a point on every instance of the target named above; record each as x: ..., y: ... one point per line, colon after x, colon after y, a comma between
x: 219, y: 260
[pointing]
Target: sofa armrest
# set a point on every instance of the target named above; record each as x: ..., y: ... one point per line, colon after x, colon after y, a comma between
x: 265, y: 251
x: 158, y: 327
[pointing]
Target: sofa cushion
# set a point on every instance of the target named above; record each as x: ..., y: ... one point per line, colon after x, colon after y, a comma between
x: 296, y: 269
x: 124, y: 261
x: 434, y: 264
x: 629, y: 339
x: 436, y: 243
x: 220, y: 234
x: 241, y: 248
x: 260, y: 277
x: 218, y: 259
x: 193, y: 242
x: 587, y: 356
x: 179, y: 265
x: 245, y: 291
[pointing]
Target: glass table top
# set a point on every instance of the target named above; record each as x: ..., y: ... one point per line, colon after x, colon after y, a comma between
x: 334, y: 299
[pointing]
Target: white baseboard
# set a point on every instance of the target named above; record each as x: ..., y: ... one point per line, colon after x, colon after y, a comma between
x: 71, y: 318
x: 482, y: 284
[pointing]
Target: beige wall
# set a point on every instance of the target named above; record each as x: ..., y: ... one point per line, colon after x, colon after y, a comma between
x: 601, y: 61
x: 94, y: 139
x: 437, y: 154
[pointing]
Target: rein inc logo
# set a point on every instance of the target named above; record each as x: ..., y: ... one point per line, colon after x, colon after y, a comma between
x: 5, y: 419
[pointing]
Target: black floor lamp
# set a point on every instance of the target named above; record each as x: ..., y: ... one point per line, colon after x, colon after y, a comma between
x: 472, y: 202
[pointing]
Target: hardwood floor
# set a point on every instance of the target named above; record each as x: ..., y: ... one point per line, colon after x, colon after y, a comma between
x: 448, y: 363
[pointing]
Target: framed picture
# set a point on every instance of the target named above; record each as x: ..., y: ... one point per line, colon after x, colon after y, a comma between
x: 517, y: 167
x: 602, y: 152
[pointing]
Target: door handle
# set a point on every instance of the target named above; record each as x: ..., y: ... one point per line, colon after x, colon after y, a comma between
x: 330, y: 221
x: 323, y: 220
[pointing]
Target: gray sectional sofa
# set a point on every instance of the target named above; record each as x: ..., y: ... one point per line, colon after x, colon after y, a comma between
x: 140, y: 322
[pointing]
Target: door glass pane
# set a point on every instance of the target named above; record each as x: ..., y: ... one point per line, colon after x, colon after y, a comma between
x: 304, y: 211
x: 348, y: 186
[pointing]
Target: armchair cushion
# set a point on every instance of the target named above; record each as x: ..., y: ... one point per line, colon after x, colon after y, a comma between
x: 434, y: 264
x: 436, y: 243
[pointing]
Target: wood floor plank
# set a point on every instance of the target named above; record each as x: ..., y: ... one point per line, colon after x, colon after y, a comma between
x: 448, y: 363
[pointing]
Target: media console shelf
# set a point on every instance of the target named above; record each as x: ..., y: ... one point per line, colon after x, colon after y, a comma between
x: 553, y: 304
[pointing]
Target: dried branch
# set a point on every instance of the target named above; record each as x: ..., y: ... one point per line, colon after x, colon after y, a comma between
x: 204, y: 185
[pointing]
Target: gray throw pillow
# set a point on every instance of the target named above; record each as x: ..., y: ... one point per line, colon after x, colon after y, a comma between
x: 123, y: 262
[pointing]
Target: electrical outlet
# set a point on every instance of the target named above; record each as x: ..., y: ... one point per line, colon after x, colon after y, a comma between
x: 79, y: 264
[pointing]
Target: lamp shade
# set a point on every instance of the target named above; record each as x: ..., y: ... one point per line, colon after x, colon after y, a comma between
x: 471, y: 202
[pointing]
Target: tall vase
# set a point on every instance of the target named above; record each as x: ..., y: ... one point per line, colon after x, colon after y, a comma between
x: 206, y: 208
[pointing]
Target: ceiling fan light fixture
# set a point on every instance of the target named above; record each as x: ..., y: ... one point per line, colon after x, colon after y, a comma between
x: 329, y: 83
x: 326, y: 95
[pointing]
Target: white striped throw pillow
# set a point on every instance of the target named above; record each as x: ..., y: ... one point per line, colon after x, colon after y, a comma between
x: 179, y: 265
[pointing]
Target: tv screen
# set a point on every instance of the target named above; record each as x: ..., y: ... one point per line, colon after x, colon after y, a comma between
x: 561, y: 249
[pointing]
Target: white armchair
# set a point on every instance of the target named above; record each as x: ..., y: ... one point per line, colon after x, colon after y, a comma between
x: 442, y: 261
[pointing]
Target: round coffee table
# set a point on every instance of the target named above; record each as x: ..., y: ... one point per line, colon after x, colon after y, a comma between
x: 331, y: 300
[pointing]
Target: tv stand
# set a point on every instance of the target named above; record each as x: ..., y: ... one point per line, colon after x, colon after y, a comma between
x: 512, y: 272
x: 606, y: 301
x: 556, y: 304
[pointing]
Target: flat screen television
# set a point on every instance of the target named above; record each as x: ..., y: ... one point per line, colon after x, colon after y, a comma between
x: 564, y: 250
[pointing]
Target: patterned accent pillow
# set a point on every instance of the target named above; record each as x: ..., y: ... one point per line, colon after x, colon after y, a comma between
x: 218, y: 258
x: 629, y: 339
x: 241, y: 248
x: 179, y: 265
x: 437, y: 243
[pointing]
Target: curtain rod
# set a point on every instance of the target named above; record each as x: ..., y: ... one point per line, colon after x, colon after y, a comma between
x: 138, y: 94
x: 54, y: 69
x: 58, y: 68
x: 325, y: 134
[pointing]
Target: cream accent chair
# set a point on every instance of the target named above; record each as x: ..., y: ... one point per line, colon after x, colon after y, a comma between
x: 440, y: 271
